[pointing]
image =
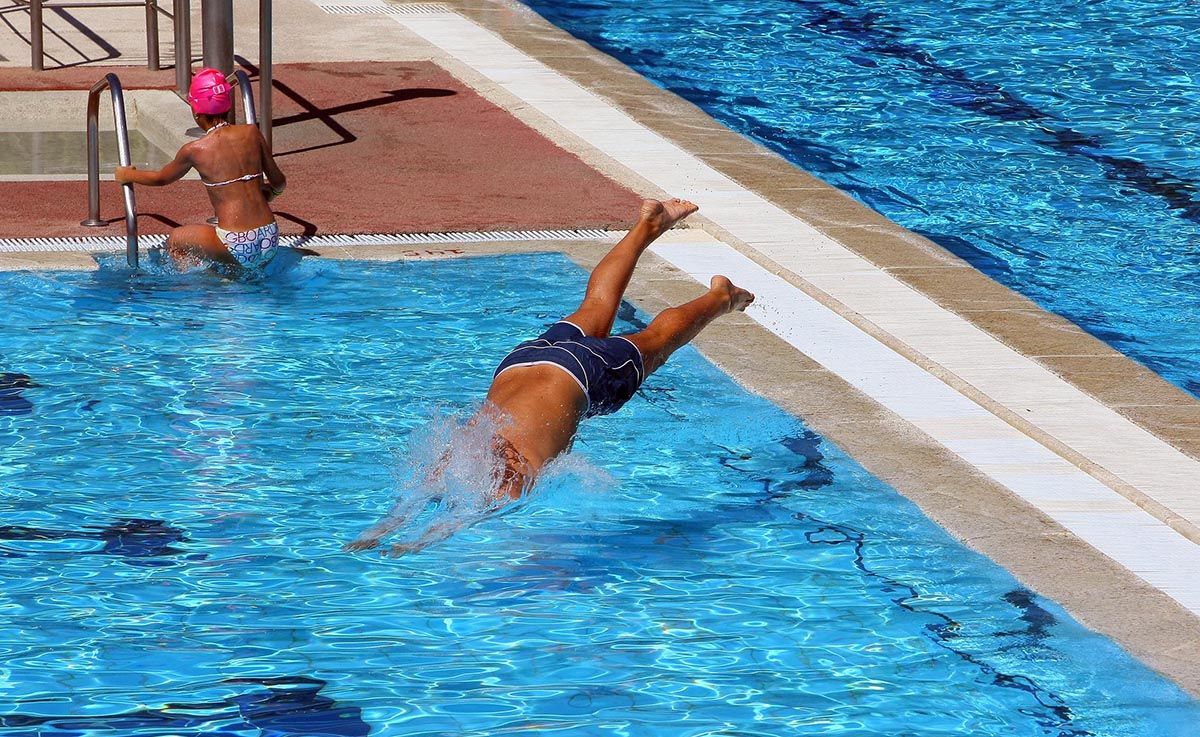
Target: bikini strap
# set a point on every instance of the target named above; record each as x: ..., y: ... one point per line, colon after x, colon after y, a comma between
x: 245, y: 178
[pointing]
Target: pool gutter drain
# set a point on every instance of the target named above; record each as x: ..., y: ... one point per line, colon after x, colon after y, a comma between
x: 117, y: 243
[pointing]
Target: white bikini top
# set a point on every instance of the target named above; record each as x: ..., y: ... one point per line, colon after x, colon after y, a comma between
x: 246, y: 178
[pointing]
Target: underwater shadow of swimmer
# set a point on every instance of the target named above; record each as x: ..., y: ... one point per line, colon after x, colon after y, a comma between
x: 290, y: 707
x: 142, y: 540
x: 11, y: 386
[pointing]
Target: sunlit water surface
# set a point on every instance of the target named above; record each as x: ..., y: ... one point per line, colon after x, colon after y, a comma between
x: 176, y: 490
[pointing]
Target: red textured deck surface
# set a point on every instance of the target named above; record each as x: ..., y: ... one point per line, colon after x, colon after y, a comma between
x: 367, y: 148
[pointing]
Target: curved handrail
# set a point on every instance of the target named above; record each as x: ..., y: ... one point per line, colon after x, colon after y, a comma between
x: 113, y: 85
x: 242, y: 81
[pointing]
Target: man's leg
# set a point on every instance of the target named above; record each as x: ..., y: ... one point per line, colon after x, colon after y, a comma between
x: 189, y: 245
x: 676, y: 326
x: 609, y: 279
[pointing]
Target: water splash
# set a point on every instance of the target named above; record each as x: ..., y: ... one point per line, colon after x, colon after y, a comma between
x: 449, y: 477
x: 156, y: 262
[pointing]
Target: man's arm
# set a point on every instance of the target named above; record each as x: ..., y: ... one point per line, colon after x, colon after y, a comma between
x: 370, y: 537
x: 398, y: 515
x: 172, y: 172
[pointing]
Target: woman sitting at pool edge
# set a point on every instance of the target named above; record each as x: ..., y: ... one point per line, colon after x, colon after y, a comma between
x: 232, y: 161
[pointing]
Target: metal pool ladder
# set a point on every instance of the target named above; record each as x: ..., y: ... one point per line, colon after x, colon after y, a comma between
x: 112, y: 83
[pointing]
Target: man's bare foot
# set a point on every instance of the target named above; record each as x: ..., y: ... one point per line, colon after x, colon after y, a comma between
x: 660, y: 216
x: 739, y: 299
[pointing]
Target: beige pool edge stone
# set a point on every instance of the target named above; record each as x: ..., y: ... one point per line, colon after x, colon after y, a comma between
x: 1100, y: 593
x: 158, y: 115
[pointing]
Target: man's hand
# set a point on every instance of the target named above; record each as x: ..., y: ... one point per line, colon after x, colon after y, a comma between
x: 364, y: 542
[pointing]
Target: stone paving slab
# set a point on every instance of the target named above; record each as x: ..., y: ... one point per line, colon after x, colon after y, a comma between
x: 85, y: 39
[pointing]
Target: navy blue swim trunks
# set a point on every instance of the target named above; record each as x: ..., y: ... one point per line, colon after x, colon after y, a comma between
x: 609, y: 370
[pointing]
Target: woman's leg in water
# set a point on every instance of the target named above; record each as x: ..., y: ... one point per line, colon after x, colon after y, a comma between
x: 191, y: 245
x: 609, y: 279
x: 675, y: 327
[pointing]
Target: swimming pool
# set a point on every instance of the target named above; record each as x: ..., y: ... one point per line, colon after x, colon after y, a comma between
x: 1051, y: 145
x: 177, y: 490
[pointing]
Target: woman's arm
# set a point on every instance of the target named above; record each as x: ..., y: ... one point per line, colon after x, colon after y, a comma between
x: 275, y: 178
x: 172, y: 172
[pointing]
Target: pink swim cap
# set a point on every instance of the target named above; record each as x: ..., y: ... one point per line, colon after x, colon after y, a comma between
x: 209, y: 93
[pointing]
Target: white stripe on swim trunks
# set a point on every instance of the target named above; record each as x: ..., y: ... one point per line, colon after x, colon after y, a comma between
x: 642, y: 359
x: 583, y: 369
x: 545, y: 347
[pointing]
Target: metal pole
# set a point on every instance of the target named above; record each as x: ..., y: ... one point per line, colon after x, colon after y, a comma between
x: 265, y: 68
x: 183, y: 46
x: 217, y: 20
x: 152, y: 35
x: 35, y: 34
x: 93, y: 155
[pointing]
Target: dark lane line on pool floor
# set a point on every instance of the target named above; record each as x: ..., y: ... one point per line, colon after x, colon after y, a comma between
x: 779, y: 481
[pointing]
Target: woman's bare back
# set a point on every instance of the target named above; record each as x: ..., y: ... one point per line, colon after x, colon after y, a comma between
x: 230, y: 152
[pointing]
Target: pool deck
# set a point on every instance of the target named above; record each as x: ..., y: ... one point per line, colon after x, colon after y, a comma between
x: 1031, y: 441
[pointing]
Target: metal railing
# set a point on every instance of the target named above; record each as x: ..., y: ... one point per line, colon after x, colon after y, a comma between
x: 242, y: 81
x: 113, y: 85
x: 37, y: 10
x: 182, y: 21
x: 266, y: 71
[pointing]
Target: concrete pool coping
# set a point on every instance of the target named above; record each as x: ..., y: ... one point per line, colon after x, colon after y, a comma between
x: 973, y: 506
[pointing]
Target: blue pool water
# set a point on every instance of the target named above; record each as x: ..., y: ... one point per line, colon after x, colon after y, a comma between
x: 1051, y: 144
x: 192, y: 453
